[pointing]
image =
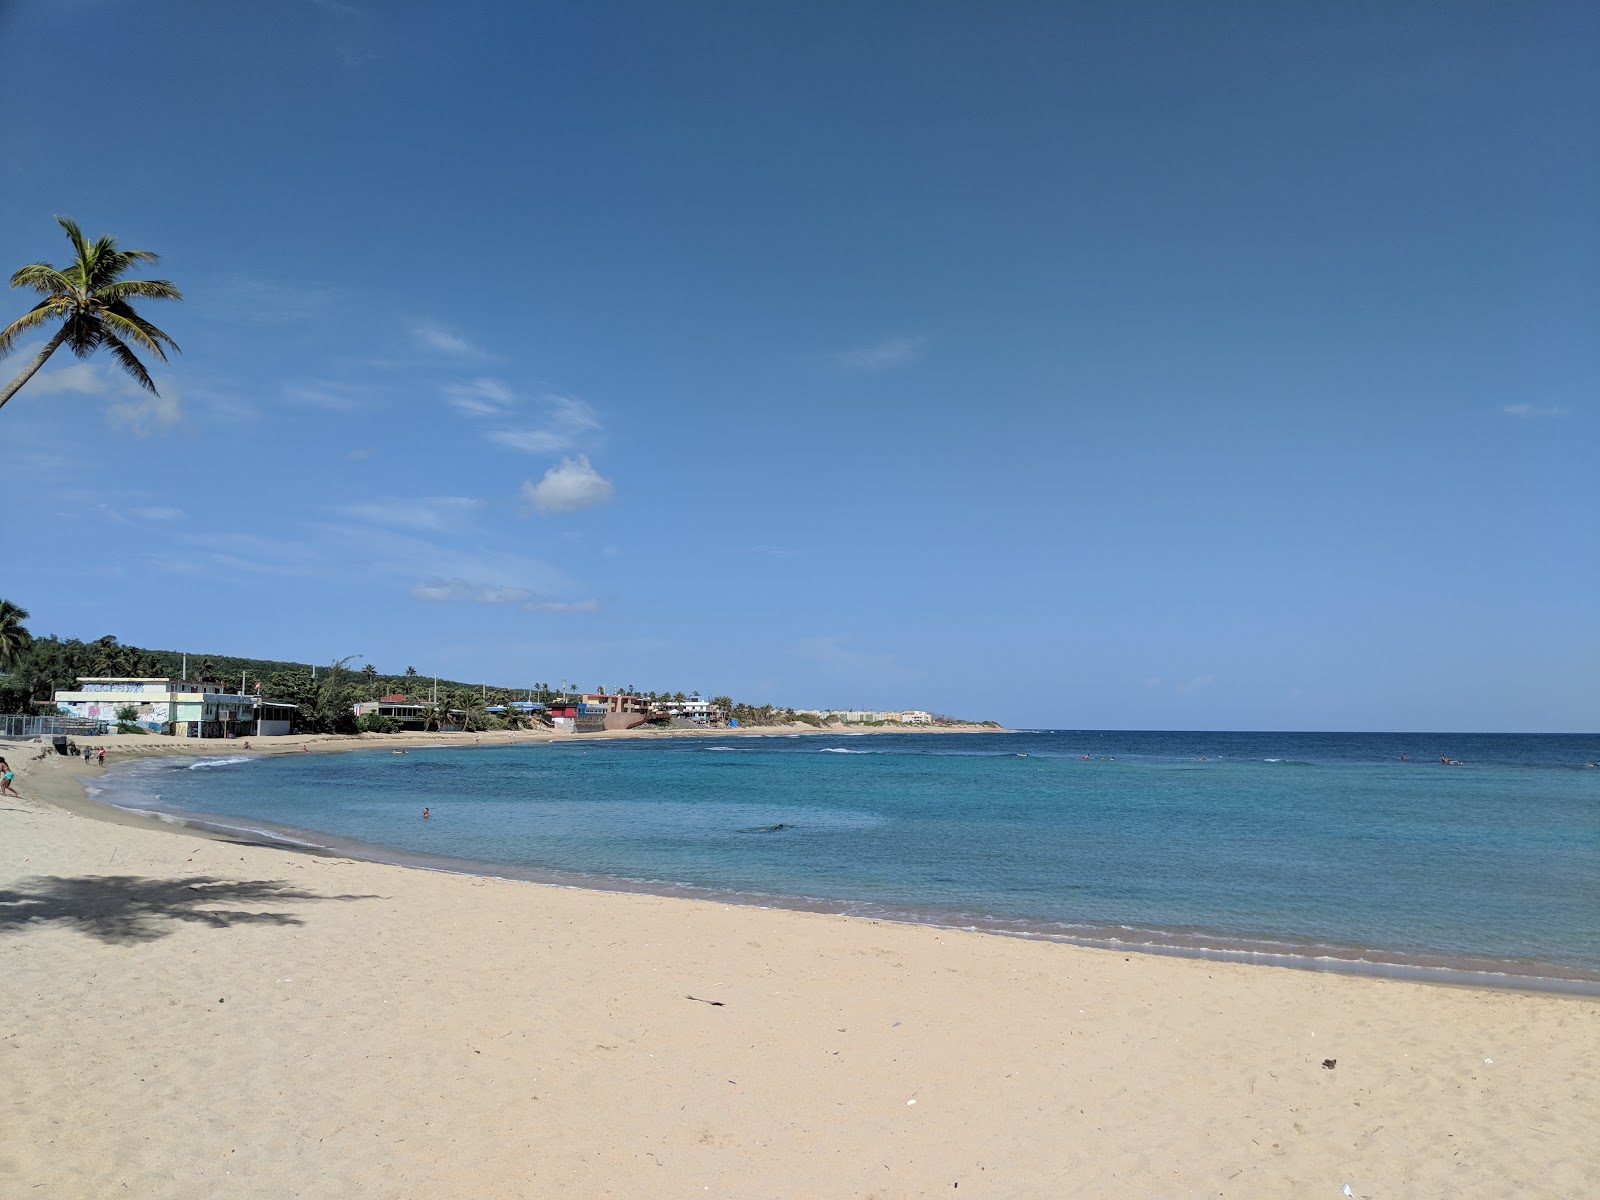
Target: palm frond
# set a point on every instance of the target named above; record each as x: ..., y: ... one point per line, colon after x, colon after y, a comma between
x: 145, y: 289
x: 84, y: 332
x: 42, y: 278
x: 128, y: 362
x: 36, y: 316
x: 126, y: 312
x: 110, y: 263
x: 130, y: 325
x: 80, y: 244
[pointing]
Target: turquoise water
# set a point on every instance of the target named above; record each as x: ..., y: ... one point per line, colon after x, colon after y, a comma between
x: 1324, y: 848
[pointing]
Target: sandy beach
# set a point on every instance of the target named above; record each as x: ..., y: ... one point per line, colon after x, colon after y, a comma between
x: 183, y: 1016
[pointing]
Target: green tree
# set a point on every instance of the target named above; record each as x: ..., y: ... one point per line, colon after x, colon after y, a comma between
x: 90, y: 299
x: 332, y: 711
x: 14, y: 638
x: 433, y: 714
x: 411, y: 672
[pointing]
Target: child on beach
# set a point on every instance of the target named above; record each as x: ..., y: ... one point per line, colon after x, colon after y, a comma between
x: 102, y: 754
x: 6, y: 776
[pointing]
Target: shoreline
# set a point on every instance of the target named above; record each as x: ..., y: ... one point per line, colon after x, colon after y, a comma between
x: 187, y: 1017
x: 1281, y: 952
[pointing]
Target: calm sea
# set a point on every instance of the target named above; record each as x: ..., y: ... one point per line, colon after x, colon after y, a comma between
x: 1301, y: 848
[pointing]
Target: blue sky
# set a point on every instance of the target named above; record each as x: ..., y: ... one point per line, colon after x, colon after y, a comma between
x: 1153, y: 365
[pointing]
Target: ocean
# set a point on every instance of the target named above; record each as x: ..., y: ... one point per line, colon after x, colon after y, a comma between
x: 1317, y: 850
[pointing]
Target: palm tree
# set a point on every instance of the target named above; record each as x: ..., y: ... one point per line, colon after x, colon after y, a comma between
x: 471, y: 709
x: 90, y: 299
x: 14, y: 638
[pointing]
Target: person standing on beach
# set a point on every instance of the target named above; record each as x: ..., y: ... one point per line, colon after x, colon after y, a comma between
x: 102, y: 753
x: 87, y: 751
x: 6, y: 776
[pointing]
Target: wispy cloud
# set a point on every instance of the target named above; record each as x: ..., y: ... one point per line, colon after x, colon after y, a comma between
x: 143, y: 414
x: 260, y: 302
x: 430, y: 336
x: 328, y: 395
x: 131, y: 407
x: 1533, y: 410
x: 358, y: 455
x: 156, y: 512
x: 769, y: 551
x: 83, y: 378
x: 432, y: 513
x: 896, y: 352
x: 437, y: 590
x: 1194, y: 684
x: 571, y: 484
x: 547, y: 424
x: 480, y: 397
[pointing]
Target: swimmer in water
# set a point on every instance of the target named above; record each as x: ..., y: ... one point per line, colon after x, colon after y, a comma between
x: 424, y: 814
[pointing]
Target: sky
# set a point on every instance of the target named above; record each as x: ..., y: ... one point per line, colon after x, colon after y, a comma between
x: 1151, y: 365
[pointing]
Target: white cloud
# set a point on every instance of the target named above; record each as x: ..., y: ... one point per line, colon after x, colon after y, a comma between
x: 437, y: 590
x: 358, y: 455
x: 143, y: 413
x: 770, y: 551
x: 156, y: 512
x: 429, y: 336
x: 435, y: 513
x: 1194, y: 685
x: 568, y: 486
x: 896, y: 352
x: 562, y: 422
x: 258, y: 302
x: 328, y: 395
x: 131, y: 406
x: 84, y: 378
x: 480, y: 397
x: 1530, y: 410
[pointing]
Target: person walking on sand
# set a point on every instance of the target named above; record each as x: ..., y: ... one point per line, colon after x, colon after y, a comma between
x: 87, y: 751
x: 102, y: 754
x: 6, y: 776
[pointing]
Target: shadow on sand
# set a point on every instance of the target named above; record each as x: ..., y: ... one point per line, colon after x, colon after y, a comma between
x: 127, y: 910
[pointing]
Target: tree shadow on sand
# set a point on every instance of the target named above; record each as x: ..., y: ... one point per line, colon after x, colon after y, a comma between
x: 125, y: 910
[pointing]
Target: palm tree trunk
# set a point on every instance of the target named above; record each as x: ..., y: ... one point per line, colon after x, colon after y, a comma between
x: 32, y: 368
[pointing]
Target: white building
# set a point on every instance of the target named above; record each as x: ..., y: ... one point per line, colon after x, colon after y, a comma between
x: 178, y: 706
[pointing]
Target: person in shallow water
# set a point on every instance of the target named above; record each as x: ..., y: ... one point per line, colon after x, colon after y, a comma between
x: 424, y: 814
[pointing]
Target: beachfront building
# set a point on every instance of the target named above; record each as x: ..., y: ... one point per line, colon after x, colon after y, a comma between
x: 618, y: 703
x: 178, y: 706
x: 701, y: 712
x: 399, y: 708
x: 275, y: 719
x: 867, y: 716
x: 578, y: 718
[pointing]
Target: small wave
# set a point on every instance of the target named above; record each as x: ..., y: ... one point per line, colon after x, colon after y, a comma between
x: 203, y: 763
x: 842, y: 750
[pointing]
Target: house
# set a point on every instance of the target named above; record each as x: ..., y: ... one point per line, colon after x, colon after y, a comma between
x: 578, y: 718
x: 915, y: 716
x: 618, y: 703
x: 395, y: 707
x: 701, y: 712
x: 178, y: 706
